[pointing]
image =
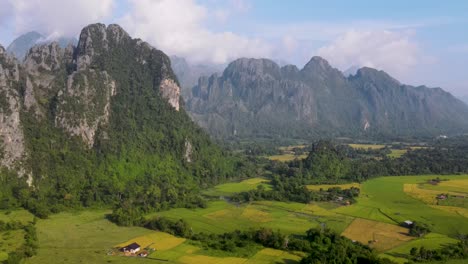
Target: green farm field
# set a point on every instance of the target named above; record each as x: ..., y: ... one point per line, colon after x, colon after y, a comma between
x: 290, y: 218
x: 88, y: 237
x: 383, y: 199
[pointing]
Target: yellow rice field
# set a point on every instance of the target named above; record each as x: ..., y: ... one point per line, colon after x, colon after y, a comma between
x: 378, y: 235
x: 429, y: 196
x: 256, y: 215
x: 452, y: 209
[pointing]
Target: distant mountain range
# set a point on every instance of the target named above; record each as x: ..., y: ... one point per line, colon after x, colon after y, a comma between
x: 20, y: 46
x: 255, y: 98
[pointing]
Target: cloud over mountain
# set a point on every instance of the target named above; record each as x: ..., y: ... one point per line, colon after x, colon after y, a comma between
x: 178, y: 27
x: 390, y: 50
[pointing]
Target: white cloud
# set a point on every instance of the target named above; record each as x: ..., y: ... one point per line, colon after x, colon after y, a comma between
x: 392, y: 51
x: 177, y: 27
x: 57, y: 17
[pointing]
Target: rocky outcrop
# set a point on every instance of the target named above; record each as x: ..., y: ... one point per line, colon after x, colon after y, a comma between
x: 188, y: 151
x: 85, y: 104
x: 42, y: 65
x: 171, y: 92
x: 11, y: 133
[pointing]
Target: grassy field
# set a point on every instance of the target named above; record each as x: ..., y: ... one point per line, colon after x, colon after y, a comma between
x: 327, y: 186
x: 16, y: 215
x: 291, y: 218
x: 228, y: 189
x: 83, y: 237
x: 383, y: 199
x: 10, y: 241
x: 87, y: 237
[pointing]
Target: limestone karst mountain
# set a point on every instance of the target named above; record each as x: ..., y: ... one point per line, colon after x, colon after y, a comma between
x: 257, y: 98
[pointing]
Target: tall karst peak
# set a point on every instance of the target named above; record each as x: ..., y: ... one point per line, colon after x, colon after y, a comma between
x: 374, y: 75
x: 317, y: 63
x: 253, y: 67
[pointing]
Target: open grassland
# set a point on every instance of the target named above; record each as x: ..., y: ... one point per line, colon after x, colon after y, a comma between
x: 383, y: 199
x: 290, y: 218
x: 236, y: 187
x: 378, y: 235
x: 327, y: 186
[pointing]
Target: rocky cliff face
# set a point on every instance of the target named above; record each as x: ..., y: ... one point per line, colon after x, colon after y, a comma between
x: 73, y: 87
x: 11, y: 133
x: 257, y: 98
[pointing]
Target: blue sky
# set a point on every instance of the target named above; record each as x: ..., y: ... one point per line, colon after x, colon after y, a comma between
x: 418, y: 42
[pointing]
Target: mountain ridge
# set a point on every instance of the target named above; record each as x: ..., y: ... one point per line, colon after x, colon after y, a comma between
x: 252, y: 95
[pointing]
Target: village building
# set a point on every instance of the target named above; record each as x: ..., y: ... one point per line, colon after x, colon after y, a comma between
x: 408, y: 223
x: 132, y: 248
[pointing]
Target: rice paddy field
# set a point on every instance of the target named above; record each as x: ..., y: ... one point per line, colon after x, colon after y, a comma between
x: 88, y: 237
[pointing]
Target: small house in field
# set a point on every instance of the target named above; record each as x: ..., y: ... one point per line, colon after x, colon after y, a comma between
x: 408, y: 223
x: 132, y: 248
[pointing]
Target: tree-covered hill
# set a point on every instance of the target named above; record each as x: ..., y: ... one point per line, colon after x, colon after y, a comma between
x: 101, y: 123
